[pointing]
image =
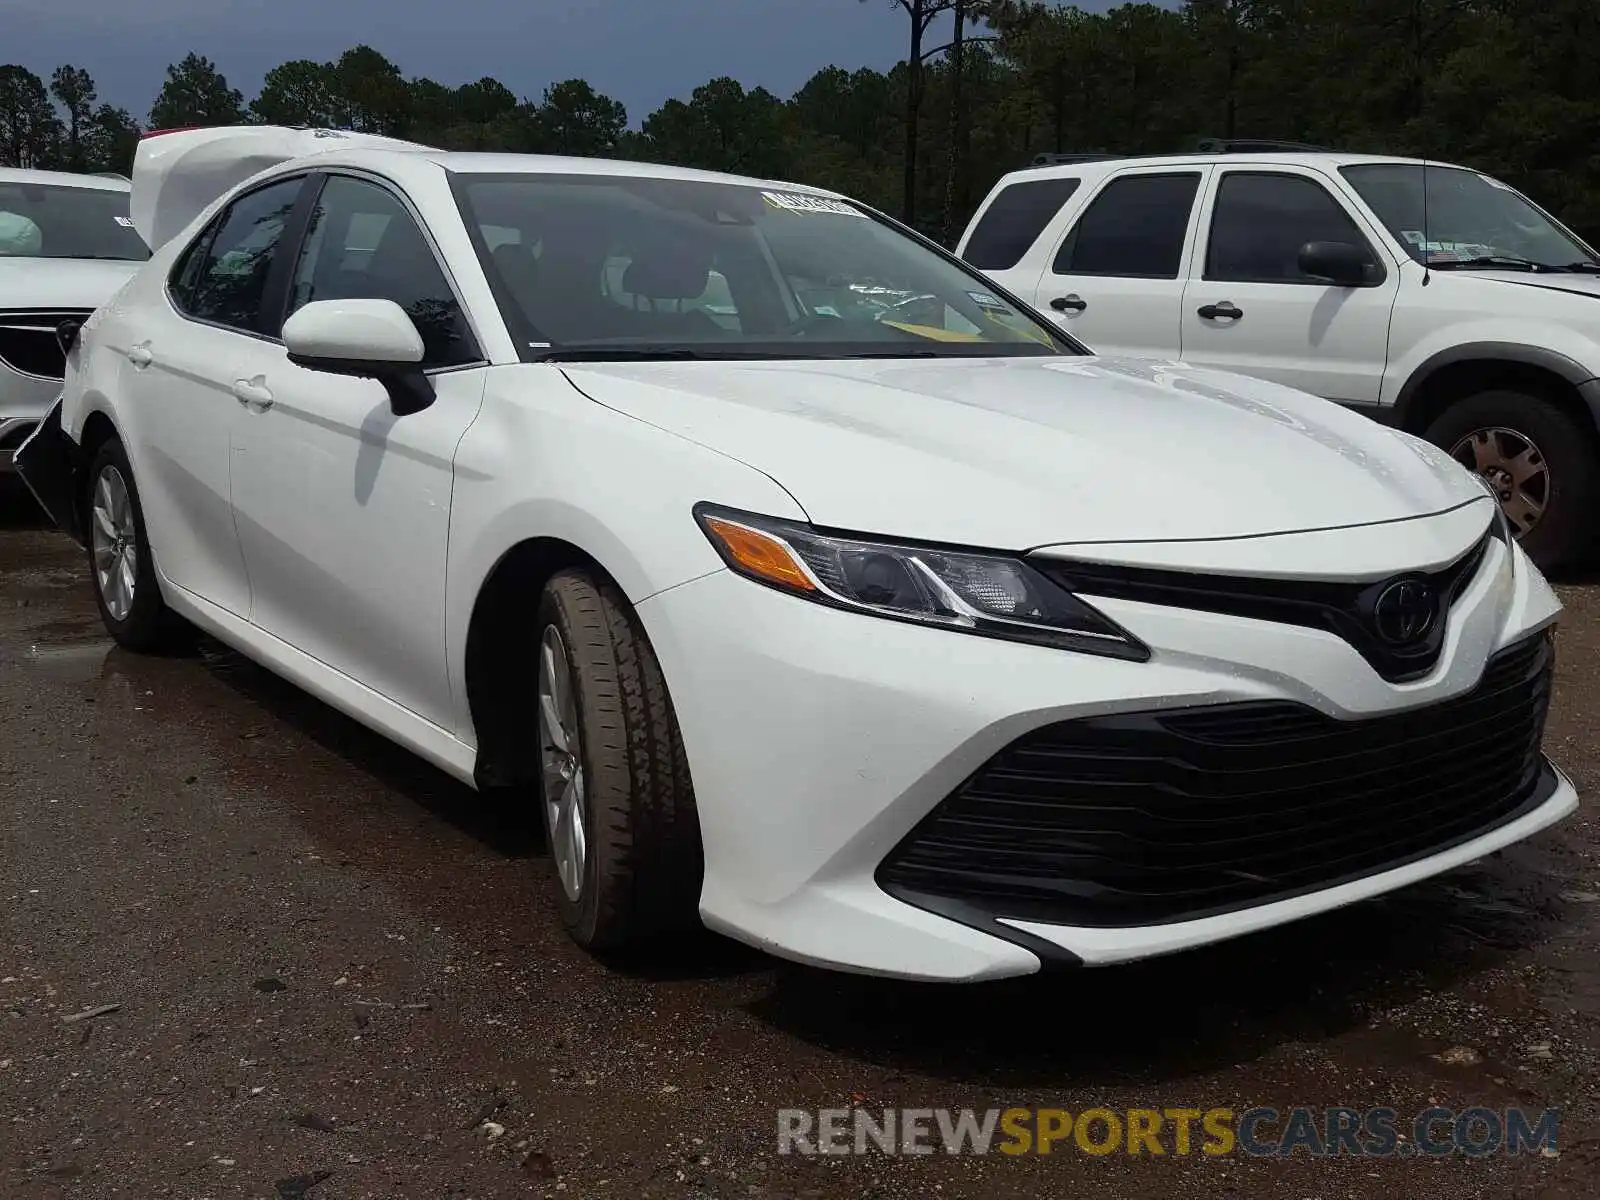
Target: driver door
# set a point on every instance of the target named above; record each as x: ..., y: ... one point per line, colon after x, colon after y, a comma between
x: 343, y: 509
x: 1249, y: 308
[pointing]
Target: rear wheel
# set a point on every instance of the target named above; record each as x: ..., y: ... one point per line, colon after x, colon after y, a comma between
x: 615, y: 794
x: 120, y: 565
x: 1540, y: 462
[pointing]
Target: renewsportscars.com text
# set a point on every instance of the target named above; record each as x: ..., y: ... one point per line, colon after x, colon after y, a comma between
x: 1262, y: 1131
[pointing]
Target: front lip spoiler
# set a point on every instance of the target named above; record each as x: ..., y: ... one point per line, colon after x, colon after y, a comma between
x: 47, y: 462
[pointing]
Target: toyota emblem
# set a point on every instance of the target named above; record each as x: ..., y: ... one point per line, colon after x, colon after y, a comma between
x: 1405, y: 612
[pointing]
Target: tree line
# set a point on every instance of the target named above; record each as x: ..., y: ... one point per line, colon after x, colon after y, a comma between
x: 1502, y: 85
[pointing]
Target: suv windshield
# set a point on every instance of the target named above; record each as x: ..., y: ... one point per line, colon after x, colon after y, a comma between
x: 45, y: 220
x: 594, y: 266
x: 1471, y: 220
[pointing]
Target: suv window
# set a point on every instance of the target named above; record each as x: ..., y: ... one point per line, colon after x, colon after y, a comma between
x: 1135, y: 227
x: 1014, y: 219
x: 1261, y: 219
x: 224, y: 276
x: 363, y: 244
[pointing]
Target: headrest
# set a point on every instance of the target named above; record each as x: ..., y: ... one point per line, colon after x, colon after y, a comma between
x: 514, y: 256
x: 669, y: 268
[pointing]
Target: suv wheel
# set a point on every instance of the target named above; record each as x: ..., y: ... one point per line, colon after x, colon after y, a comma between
x: 1540, y: 462
x: 618, y: 806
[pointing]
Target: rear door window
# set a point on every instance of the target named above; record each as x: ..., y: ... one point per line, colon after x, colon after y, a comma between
x: 1014, y: 219
x: 226, y: 281
x: 1136, y: 227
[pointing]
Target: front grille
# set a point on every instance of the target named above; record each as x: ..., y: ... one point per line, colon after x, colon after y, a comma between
x: 1150, y: 817
x: 28, y: 340
x: 1344, y: 609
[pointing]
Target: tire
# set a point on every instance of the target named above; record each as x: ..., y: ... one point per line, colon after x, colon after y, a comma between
x: 1564, y: 533
x: 146, y: 624
x: 641, y: 865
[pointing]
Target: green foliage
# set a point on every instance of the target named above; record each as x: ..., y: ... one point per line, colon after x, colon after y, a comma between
x: 1504, y: 85
x: 195, y: 93
x: 74, y: 89
x: 30, y: 130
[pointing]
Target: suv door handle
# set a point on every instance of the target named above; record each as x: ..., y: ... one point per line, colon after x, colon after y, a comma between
x: 1211, y: 312
x: 253, y: 393
x: 140, y: 355
x: 1072, y: 303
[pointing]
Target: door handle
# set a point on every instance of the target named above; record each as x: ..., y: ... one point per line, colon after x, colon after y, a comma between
x: 1072, y: 303
x: 1211, y: 312
x: 253, y: 393
x: 140, y: 355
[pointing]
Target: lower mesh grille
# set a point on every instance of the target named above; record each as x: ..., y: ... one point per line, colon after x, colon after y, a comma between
x: 1149, y: 817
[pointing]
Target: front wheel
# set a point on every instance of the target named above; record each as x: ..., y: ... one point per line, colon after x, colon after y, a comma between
x: 1539, y: 461
x: 120, y: 565
x: 614, y: 781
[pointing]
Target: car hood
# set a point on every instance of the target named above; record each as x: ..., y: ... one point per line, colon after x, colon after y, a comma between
x: 1586, y: 286
x: 1015, y: 453
x: 61, y: 282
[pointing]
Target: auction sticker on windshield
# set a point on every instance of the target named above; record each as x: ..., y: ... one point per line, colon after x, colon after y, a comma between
x: 988, y: 303
x: 799, y: 202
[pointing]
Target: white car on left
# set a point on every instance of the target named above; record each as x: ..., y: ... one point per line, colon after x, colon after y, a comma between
x: 67, y: 244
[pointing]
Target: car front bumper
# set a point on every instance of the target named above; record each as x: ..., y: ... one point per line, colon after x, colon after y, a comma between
x: 48, y: 462
x: 24, y: 400
x: 818, y: 740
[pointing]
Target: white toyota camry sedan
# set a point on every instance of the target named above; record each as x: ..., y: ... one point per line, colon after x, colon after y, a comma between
x: 813, y: 587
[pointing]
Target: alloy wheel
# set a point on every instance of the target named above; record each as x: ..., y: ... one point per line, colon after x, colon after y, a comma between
x: 1514, y: 467
x: 114, y: 542
x: 561, y: 763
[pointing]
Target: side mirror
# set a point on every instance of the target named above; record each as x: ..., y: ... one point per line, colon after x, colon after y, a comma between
x: 372, y: 339
x: 1339, y: 263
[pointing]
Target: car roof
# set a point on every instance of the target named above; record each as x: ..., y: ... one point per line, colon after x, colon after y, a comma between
x: 476, y: 163
x: 99, y: 183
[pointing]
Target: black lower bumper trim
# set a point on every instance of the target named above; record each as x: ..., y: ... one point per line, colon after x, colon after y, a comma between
x: 48, y: 464
x: 1167, y: 815
x: 972, y: 914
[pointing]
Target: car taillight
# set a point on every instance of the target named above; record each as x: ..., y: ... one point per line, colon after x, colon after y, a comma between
x: 150, y: 133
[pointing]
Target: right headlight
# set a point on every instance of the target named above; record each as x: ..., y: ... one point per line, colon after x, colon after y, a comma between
x: 993, y: 595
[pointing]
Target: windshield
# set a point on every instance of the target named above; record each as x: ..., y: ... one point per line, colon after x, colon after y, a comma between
x: 1469, y: 217
x: 42, y: 220
x: 611, y: 266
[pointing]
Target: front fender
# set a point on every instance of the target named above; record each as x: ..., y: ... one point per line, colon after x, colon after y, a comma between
x: 546, y: 462
x: 1565, y: 352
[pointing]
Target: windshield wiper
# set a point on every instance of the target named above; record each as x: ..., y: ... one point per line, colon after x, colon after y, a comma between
x: 617, y: 354
x: 902, y: 352
x: 1513, y: 263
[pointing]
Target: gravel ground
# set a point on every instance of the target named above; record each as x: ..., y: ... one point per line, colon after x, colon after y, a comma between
x: 339, y: 974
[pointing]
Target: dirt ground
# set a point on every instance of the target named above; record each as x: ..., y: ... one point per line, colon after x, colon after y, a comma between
x: 339, y: 974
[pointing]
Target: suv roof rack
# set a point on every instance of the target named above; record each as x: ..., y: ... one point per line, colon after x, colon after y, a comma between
x: 1055, y: 160
x: 1207, y: 145
x: 1213, y: 145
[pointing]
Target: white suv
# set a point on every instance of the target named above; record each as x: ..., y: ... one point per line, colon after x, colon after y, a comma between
x: 1429, y: 296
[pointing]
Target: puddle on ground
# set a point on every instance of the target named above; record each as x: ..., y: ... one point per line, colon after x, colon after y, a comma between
x: 73, y: 630
x: 78, y: 663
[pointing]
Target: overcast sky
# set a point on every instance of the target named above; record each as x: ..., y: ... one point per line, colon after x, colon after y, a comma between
x: 639, y: 51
